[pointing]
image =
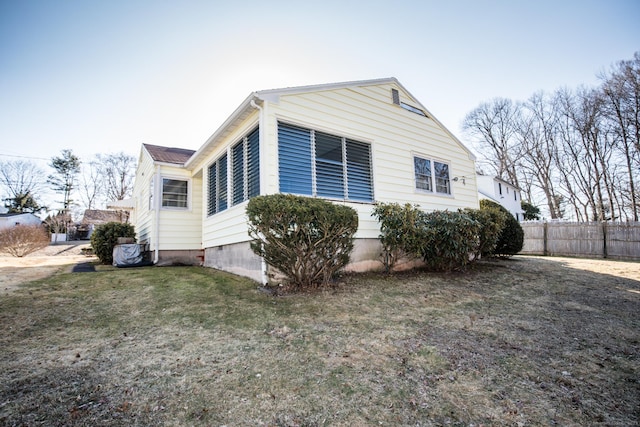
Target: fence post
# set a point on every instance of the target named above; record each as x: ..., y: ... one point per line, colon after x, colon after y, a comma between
x: 604, y: 239
x: 544, y: 239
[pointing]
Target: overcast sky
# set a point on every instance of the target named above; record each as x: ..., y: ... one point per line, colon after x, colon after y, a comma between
x: 101, y: 76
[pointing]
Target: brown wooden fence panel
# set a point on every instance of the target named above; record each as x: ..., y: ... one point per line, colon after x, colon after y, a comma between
x: 594, y: 239
x: 533, y: 238
x: 623, y: 240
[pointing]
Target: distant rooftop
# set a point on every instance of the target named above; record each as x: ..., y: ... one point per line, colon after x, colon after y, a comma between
x: 168, y: 154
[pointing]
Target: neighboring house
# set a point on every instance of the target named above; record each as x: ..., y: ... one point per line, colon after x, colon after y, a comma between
x: 501, y: 192
x: 95, y: 217
x: 12, y: 219
x: 353, y: 143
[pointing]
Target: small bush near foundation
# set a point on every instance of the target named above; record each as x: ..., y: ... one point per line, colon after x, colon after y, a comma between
x: 491, y: 224
x: 451, y: 240
x: 444, y: 240
x: 105, y: 237
x: 511, y: 237
x: 307, y: 239
x: 22, y: 240
x: 401, y: 231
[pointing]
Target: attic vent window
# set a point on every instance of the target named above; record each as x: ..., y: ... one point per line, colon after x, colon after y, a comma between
x: 413, y: 109
x: 395, y: 96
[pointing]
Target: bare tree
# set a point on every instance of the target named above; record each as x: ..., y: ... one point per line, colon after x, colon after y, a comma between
x: 537, y: 133
x: 494, y: 124
x: 118, y: 172
x: 21, y: 181
x: 621, y: 90
x: 91, y: 185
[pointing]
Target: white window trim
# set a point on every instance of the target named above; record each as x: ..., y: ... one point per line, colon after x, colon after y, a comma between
x: 161, y: 192
x: 314, y: 127
x: 432, y: 159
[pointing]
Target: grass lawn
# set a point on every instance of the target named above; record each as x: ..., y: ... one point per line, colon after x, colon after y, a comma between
x: 524, y: 342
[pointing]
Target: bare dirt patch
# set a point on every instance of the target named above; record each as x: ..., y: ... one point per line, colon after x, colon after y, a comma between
x: 40, y: 264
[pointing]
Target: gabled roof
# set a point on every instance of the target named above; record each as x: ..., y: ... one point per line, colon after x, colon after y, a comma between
x: 9, y: 215
x: 173, y: 155
x: 255, y: 99
x: 98, y: 216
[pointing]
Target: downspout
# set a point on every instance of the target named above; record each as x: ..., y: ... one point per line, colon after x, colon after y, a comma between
x: 156, y: 202
x: 263, y: 264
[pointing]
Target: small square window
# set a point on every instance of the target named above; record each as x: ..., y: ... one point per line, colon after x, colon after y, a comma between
x: 174, y: 193
x: 430, y: 174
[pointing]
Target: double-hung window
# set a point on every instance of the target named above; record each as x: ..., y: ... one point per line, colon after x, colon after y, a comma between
x: 321, y: 164
x: 235, y: 176
x: 431, y: 175
x: 175, y: 193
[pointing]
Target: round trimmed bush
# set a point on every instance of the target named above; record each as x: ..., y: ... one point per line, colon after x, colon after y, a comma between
x: 307, y: 239
x: 511, y: 237
x: 105, y: 237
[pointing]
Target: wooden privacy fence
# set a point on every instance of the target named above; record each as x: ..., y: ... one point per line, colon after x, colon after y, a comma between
x: 620, y: 240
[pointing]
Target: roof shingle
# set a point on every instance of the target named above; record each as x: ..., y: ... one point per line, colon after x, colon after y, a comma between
x: 168, y: 154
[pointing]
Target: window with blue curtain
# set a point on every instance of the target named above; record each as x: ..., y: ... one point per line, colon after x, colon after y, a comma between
x: 294, y: 159
x: 253, y: 163
x: 316, y: 163
x: 212, y: 177
x: 222, y: 183
x: 359, y: 176
x: 329, y: 166
x: 238, y: 172
x: 244, y: 160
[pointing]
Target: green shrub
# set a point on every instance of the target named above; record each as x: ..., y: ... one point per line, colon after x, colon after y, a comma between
x: 400, y: 231
x: 307, y: 239
x: 451, y: 240
x: 491, y: 223
x: 444, y: 240
x: 511, y: 237
x: 105, y: 237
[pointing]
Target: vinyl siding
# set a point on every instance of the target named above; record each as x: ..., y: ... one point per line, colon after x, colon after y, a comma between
x: 181, y: 229
x: 230, y: 225
x: 142, y: 218
x: 365, y: 114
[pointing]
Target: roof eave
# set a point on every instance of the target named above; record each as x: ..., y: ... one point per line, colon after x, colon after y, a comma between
x: 238, y: 113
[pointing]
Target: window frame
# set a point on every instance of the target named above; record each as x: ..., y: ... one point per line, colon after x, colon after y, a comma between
x: 307, y: 151
x: 187, y: 195
x: 433, y: 183
x: 241, y: 177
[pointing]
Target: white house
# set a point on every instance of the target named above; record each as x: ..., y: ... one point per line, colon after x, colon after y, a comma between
x: 501, y: 192
x: 353, y: 143
x: 12, y: 219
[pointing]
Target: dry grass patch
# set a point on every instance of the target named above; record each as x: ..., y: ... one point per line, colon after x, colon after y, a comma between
x: 529, y: 341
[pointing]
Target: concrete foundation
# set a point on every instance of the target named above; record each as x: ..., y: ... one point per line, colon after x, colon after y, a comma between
x: 237, y: 258
x: 177, y: 257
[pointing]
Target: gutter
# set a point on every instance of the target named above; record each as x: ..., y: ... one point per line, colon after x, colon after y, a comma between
x: 263, y: 264
x: 156, y: 206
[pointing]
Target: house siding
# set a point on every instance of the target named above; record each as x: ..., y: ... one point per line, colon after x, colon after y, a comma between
x: 363, y: 113
x: 367, y: 114
x: 230, y: 225
x: 142, y: 217
x: 181, y: 229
